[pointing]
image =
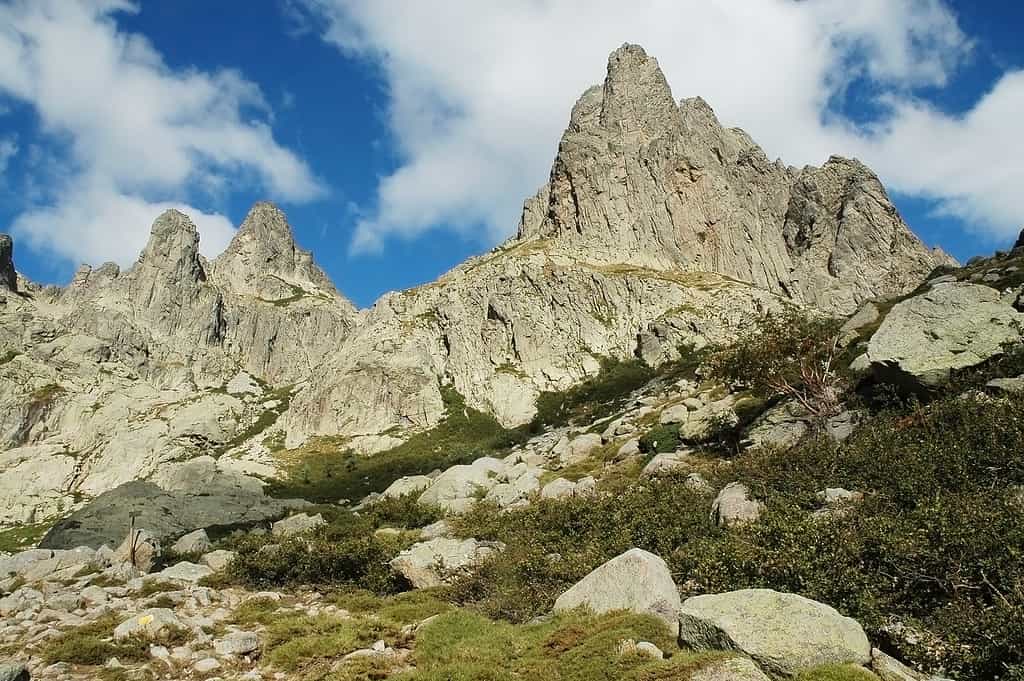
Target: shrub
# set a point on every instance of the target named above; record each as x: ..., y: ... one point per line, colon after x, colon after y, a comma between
x: 786, y: 355
x: 660, y: 439
x: 345, y: 552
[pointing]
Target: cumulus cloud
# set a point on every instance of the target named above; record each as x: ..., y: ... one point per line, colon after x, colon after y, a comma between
x: 126, y: 135
x: 480, y: 92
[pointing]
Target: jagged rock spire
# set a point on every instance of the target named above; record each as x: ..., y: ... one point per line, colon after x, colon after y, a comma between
x: 263, y: 259
x: 8, y: 276
x: 641, y: 181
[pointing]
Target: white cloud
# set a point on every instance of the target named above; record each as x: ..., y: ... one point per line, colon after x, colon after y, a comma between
x: 8, y: 150
x: 481, y: 91
x: 132, y: 135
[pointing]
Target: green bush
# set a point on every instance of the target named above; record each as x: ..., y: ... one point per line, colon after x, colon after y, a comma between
x: 346, y: 552
x: 660, y: 439
x: 790, y: 355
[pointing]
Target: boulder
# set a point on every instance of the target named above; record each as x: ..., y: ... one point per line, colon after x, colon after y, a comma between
x: 730, y: 669
x: 184, y: 572
x: 152, y: 622
x: 784, y: 633
x: 215, y: 499
x: 139, y: 549
x: 217, y: 560
x: 578, y: 449
x: 867, y: 314
x: 437, y: 561
x: 297, y: 524
x: 237, y: 643
x: 193, y: 542
x: 948, y: 327
x: 458, y: 488
x: 637, y: 580
x: 677, y: 413
x: 558, y: 489
x: 408, y: 485
x: 629, y: 448
x: 733, y: 506
x: 664, y: 464
x: 1010, y: 386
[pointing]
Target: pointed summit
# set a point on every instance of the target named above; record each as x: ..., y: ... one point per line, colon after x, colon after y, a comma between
x: 264, y: 261
x: 8, y: 277
x: 173, y: 249
x: 636, y: 96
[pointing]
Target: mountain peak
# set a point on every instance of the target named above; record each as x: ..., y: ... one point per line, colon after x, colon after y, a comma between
x: 8, y: 276
x: 263, y: 259
x: 636, y: 96
x: 172, y: 249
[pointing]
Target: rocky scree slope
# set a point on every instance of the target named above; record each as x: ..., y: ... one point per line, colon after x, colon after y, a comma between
x: 658, y: 229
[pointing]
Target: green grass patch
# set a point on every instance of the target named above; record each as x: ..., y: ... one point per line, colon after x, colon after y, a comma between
x: 596, y: 397
x: 328, y: 472
x: 23, y: 537
x: 92, y: 644
x: 464, y: 646
x: 265, y: 420
x: 300, y: 642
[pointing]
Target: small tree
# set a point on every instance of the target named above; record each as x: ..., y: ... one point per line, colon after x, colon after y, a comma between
x: 789, y: 354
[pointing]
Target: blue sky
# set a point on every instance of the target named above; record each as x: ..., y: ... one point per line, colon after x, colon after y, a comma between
x: 401, y: 137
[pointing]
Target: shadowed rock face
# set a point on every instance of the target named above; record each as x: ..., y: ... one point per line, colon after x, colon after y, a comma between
x: 8, y: 277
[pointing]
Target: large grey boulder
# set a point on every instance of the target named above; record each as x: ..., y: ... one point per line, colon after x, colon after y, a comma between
x: 407, y: 485
x: 460, y: 486
x: 219, y: 500
x: 948, y: 327
x: 435, y: 562
x: 784, y: 633
x: 637, y: 580
x: 193, y: 542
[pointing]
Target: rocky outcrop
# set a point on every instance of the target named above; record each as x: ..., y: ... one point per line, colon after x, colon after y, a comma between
x: 784, y: 633
x: 440, y: 560
x: 950, y: 326
x: 191, y: 496
x: 8, y: 277
x: 641, y: 180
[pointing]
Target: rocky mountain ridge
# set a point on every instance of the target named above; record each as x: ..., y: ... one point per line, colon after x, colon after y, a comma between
x: 658, y: 229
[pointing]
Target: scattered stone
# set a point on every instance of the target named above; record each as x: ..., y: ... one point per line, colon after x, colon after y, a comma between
x: 193, y: 542
x: 206, y: 665
x: 630, y: 448
x: 408, y: 485
x: 733, y: 506
x: 637, y: 580
x: 150, y: 622
x: 557, y: 489
x: 139, y: 549
x: 237, y: 643
x: 1012, y: 386
x: 731, y: 669
x: 697, y: 483
x: 436, y: 529
x: 784, y: 633
x: 297, y: 524
x: 217, y: 560
x: 677, y: 413
x: 663, y: 464
x: 184, y: 572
